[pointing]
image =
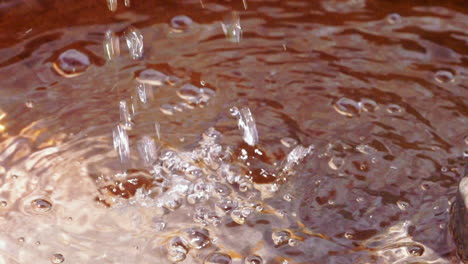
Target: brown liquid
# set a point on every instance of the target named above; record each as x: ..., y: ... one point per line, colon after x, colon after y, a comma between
x: 379, y: 88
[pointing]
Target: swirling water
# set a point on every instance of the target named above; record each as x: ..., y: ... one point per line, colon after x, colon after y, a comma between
x: 199, y: 131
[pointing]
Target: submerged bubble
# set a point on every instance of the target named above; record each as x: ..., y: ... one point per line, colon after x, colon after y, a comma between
x: 347, y: 107
x: 218, y: 258
x: 57, y: 258
x: 181, y: 23
x: 41, y: 205
x: 111, y: 45
x: 444, y: 76
x: 71, y: 63
x: 253, y: 259
x: 232, y: 27
x: 134, y: 40
x: 280, y: 237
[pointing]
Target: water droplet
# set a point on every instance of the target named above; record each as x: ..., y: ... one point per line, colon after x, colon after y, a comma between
x: 134, y: 40
x: 246, y: 123
x: 125, y: 118
x: 415, y: 250
x: 292, y: 242
x: 218, y: 258
x: 3, y: 204
x: 41, y: 205
x: 21, y: 239
x: 444, y: 76
x: 444, y: 169
x: 147, y: 149
x: 121, y: 144
x: 197, y: 238
x: 112, y: 5
x: 111, y: 45
x: 181, y: 23
x: 280, y: 237
x: 347, y: 107
x: 232, y: 27
x: 71, y: 63
x: 393, y: 18
x: 253, y: 259
x: 238, y: 217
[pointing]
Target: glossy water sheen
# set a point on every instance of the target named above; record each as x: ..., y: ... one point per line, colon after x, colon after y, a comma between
x: 350, y: 145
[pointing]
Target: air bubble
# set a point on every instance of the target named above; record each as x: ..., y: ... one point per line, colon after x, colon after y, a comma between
x: 152, y: 77
x: 57, y: 258
x: 41, y: 205
x: 444, y: 76
x: 197, y: 238
x: 368, y: 105
x: 29, y: 104
x: 3, y: 204
x: 181, y: 23
x: 415, y: 250
x: 335, y: 163
x: 402, y: 205
x: 393, y: 18
x: 280, y: 237
x: 287, y: 197
x: 394, y: 109
x: 218, y: 258
x: 347, y: 107
x: 71, y: 63
x: 253, y: 259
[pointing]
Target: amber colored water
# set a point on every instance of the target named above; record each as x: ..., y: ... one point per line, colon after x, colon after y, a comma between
x: 378, y: 88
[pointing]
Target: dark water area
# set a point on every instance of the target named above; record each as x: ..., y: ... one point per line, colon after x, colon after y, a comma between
x: 266, y: 131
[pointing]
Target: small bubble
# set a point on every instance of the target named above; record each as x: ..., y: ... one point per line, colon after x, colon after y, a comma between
x: 394, y: 109
x: 348, y: 235
x: 393, y: 18
x: 181, y: 23
x: 444, y: 76
x: 218, y: 258
x: 29, y: 104
x: 335, y: 163
x: 253, y: 259
x: 416, y: 250
x: 444, y: 169
x: 280, y: 237
x: 57, y: 258
x: 402, y: 205
x: 238, y: 217
x: 3, y: 204
x: 197, y: 238
x: 38, y: 243
x: 41, y: 205
x: 368, y: 105
x: 287, y: 197
x: 21, y: 240
x: 347, y: 107
x: 292, y: 242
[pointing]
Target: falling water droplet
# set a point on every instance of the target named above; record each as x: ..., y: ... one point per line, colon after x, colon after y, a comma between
x: 444, y: 76
x: 71, y: 63
x: 402, y: 205
x: 232, y: 27
x: 218, y: 258
x: 111, y: 45
x: 41, y: 205
x: 253, y: 259
x: 57, y: 258
x: 181, y: 23
x: 112, y: 5
x: 134, y: 40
